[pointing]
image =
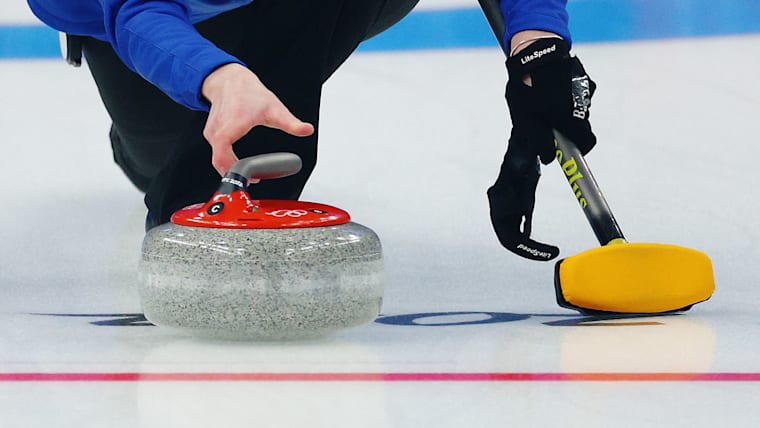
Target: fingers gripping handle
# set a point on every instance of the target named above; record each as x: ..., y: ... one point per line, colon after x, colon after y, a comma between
x: 261, y: 167
x: 586, y: 190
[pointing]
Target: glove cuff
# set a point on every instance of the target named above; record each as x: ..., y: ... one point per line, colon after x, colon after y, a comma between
x: 537, y: 54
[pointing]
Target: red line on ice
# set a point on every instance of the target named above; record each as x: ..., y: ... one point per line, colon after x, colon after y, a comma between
x: 379, y: 377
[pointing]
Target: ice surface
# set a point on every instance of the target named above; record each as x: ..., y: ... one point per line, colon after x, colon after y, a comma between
x: 409, y: 143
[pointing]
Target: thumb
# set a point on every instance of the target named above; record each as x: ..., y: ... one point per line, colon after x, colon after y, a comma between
x: 281, y: 118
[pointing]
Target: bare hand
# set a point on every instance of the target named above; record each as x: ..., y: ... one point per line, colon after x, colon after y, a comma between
x: 239, y: 102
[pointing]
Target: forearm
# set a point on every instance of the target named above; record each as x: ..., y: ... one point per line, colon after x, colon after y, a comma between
x: 157, y: 40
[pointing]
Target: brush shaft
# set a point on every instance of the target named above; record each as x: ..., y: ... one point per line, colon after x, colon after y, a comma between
x: 492, y: 12
x: 586, y: 190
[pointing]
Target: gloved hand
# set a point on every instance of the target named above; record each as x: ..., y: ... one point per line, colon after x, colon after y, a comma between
x: 512, y: 199
x: 559, y: 97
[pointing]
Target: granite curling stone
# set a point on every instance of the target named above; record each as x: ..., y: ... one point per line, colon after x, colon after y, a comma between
x: 239, y: 268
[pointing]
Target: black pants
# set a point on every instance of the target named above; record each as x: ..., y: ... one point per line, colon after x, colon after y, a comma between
x: 292, y: 46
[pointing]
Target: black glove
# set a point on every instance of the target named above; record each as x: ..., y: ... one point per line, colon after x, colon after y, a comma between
x: 512, y: 198
x: 559, y: 98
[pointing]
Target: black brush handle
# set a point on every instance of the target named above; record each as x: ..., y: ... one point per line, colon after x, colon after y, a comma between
x: 492, y: 10
x: 586, y: 190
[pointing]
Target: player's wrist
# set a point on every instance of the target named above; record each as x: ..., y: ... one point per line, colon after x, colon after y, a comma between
x: 523, y: 39
x: 213, y: 84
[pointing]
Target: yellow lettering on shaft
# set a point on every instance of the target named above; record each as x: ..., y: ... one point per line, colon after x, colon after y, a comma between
x: 571, y: 171
x: 575, y: 177
x: 570, y: 167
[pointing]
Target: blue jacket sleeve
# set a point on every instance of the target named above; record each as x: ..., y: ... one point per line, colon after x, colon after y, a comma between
x: 157, y: 40
x: 546, y: 15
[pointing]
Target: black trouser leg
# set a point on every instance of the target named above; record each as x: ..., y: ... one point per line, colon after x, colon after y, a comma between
x: 293, y: 46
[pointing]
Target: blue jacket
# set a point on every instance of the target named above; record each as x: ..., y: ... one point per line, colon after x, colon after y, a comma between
x: 157, y: 40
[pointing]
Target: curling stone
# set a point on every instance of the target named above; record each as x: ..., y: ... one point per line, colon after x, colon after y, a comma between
x: 240, y: 268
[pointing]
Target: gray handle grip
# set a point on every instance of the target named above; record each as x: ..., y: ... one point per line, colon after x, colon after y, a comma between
x: 267, y: 166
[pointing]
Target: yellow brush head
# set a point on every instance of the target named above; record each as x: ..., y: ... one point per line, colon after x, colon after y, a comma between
x: 634, y: 278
